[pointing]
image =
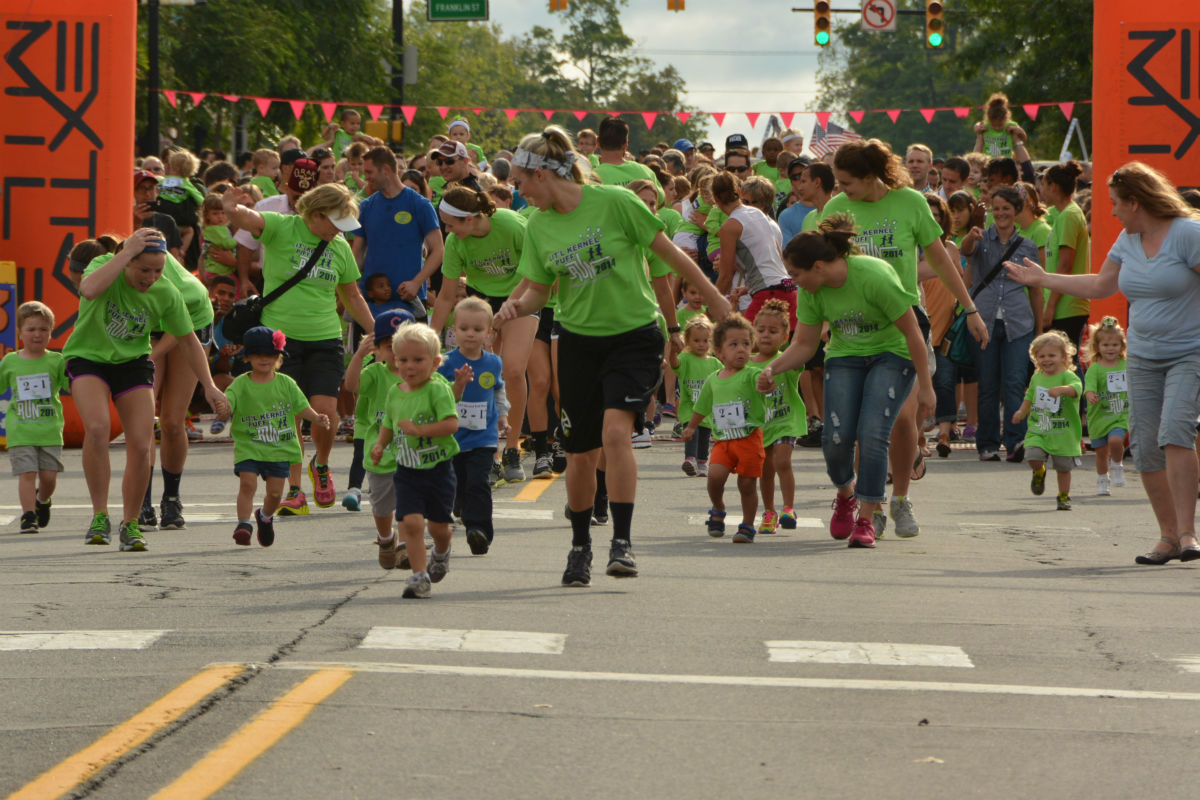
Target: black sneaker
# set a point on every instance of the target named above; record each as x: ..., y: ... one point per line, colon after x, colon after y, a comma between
x: 579, y: 567
x: 29, y: 522
x: 620, y: 560
x: 600, y: 511
x: 813, y: 437
x: 241, y: 534
x: 147, y: 519
x: 512, y: 471
x: 495, y: 475
x: 1064, y: 502
x: 478, y: 542
x: 542, y: 468
x: 266, y: 528
x: 42, y: 510
x: 1037, y: 484
x: 171, y: 510
x: 558, y: 458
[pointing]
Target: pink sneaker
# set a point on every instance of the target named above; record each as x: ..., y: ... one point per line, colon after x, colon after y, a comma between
x: 842, y: 522
x: 864, y: 533
x: 689, y: 466
x: 701, y: 469
x: 323, y: 492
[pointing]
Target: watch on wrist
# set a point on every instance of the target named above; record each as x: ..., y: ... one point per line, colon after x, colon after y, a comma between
x: 674, y: 329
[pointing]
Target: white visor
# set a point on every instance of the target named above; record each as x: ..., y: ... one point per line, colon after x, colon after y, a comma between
x: 344, y: 222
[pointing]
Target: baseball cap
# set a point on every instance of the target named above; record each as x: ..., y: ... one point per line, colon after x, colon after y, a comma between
x: 683, y: 145
x: 736, y: 141
x: 292, y: 156
x: 452, y: 150
x: 706, y: 147
x: 140, y: 176
x: 344, y: 222
x: 799, y: 161
x: 387, y: 322
x: 304, y: 175
x: 263, y: 341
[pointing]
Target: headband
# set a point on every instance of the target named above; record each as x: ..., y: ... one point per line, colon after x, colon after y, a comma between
x: 527, y: 160
x: 791, y: 136
x: 76, y: 266
x: 455, y: 212
x: 458, y: 122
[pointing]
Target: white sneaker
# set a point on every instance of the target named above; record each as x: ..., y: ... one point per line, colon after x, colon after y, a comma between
x: 641, y: 440
x: 1102, y: 489
x: 1117, y: 472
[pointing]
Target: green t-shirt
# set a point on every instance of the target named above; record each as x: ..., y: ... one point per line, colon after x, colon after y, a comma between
x: 1054, y: 422
x: 1037, y: 232
x: 687, y: 226
x: 35, y: 415
x: 194, y: 294
x: 217, y: 236
x: 437, y: 185
x: 373, y: 387
x: 781, y: 183
x: 684, y: 315
x: 1069, y: 229
x: 861, y: 313
x: 733, y: 404
x: 341, y: 140
x: 595, y: 255
x: 671, y: 218
x: 266, y: 184
x: 479, y: 158
x: 362, y: 404
x: 892, y: 229
x: 115, y: 327
x: 594, y: 160
x: 432, y: 402
x: 264, y: 418
x: 712, y: 226
x: 785, y: 412
x: 1112, y: 385
x: 692, y: 373
x: 358, y: 189
x: 489, y: 262
x: 626, y: 173
x: 811, y: 221
x: 308, y: 311
x: 998, y: 144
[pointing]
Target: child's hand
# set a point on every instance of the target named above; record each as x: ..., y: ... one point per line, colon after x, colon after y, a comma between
x: 462, y: 376
x: 765, y: 383
x: 408, y: 427
x: 510, y: 310
x: 676, y: 342
x: 365, y: 346
x: 502, y: 426
x: 376, y: 454
x: 323, y: 421
x: 329, y: 131
x: 980, y: 127
x: 1092, y: 397
x: 1017, y: 418
x: 688, y: 433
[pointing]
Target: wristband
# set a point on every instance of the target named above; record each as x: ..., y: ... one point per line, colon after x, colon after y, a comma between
x: 972, y: 311
x: 674, y: 329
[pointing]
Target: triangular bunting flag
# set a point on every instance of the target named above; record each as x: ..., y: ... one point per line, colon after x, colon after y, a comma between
x: 683, y: 116
x: 233, y: 98
x: 297, y: 107
x: 928, y: 113
x: 752, y: 118
x: 548, y: 112
x: 1067, y: 108
x: 477, y: 111
x: 329, y: 109
x: 197, y: 97
x: 579, y: 115
x: 443, y: 111
x: 1031, y: 109
x: 786, y: 118
x: 511, y: 113
x: 409, y: 113
x: 649, y: 117
x: 375, y: 110
x: 962, y: 113
x: 857, y: 116
x: 718, y: 117
x: 893, y: 114
x: 264, y: 104
x: 170, y: 95
x: 823, y: 118
x: 614, y: 113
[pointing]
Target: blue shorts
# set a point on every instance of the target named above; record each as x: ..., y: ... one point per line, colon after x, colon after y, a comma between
x: 1117, y: 433
x: 264, y: 469
x: 428, y: 492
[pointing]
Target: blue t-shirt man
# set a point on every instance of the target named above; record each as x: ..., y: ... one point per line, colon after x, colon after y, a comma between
x: 791, y: 219
x: 478, y: 412
x: 393, y: 230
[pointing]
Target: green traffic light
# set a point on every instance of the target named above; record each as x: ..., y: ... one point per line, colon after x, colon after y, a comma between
x: 935, y: 40
x: 823, y: 38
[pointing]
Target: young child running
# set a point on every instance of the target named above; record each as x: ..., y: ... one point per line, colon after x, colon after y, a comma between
x: 693, y: 367
x: 737, y: 410
x: 482, y: 417
x: 1052, y: 405
x: 264, y: 405
x: 421, y: 416
x: 786, y: 417
x: 1107, y: 392
x: 34, y: 422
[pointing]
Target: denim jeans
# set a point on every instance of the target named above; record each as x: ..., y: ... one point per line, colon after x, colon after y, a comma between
x: 946, y: 379
x: 1003, y: 369
x: 863, y: 396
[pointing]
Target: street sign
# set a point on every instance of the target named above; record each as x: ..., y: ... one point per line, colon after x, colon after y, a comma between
x: 879, y: 15
x: 457, y: 10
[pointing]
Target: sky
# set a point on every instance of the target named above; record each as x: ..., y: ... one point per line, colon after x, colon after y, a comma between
x: 758, y: 62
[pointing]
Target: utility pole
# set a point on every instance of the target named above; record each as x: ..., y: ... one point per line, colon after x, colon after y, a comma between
x: 398, y: 75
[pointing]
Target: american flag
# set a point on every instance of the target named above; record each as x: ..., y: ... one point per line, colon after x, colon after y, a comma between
x: 826, y: 140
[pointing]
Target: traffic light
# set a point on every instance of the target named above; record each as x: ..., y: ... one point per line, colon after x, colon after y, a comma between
x: 822, y: 33
x: 935, y: 24
x: 675, y: 5
x: 558, y: 5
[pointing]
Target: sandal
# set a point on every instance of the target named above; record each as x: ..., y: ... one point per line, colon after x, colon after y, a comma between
x: 918, y: 470
x: 1157, y: 558
x: 943, y: 447
x: 716, y: 523
x: 744, y: 535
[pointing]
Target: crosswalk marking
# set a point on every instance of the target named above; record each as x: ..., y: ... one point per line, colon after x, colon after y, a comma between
x: 1187, y: 663
x: 874, y: 653
x: 732, y: 520
x: 78, y: 640
x: 464, y: 641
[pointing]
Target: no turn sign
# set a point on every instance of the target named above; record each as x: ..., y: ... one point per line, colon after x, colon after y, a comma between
x: 879, y: 15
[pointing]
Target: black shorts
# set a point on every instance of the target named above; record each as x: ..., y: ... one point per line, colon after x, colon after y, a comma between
x: 493, y: 301
x: 121, y: 378
x: 596, y: 373
x: 547, y: 328
x: 317, y: 367
x: 428, y: 492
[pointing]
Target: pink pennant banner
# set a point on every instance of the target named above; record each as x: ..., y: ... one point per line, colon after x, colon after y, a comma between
x: 375, y: 110
x: 443, y: 111
x: 548, y: 113
x: 893, y: 114
x: 579, y: 115
x: 962, y: 113
x: 718, y: 117
x: 683, y: 116
x: 477, y: 111
x: 170, y: 95
x: 649, y: 117
x: 329, y: 109
x: 1067, y: 109
x: 857, y: 116
x: 197, y: 97
x: 264, y: 105
x: 1031, y: 110
x: 409, y: 112
x: 928, y: 113
x: 233, y: 98
x: 614, y: 113
x: 511, y: 113
x: 297, y: 107
x: 752, y: 118
x: 823, y: 118
x: 786, y: 118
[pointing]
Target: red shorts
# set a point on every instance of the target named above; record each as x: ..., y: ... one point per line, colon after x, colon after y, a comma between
x: 759, y: 298
x: 742, y: 456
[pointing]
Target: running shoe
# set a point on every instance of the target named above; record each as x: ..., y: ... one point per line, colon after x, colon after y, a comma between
x: 841, y: 524
x: 621, y: 563
x: 193, y: 435
x: 744, y: 535
x: 478, y: 542
x: 813, y: 437
x: 495, y: 475
x: 148, y: 518
x: 242, y: 534
x: 600, y: 510
x: 439, y: 564
x: 701, y: 469
x: 968, y: 433
x: 1102, y: 486
x: 769, y: 521
x: 1037, y: 484
x: 668, y: 410
x: 1064, y: 502
x: 715, y: 523
x: 787, y: 519
x: 1016, y: 455
x: 689, y: 466
x: 417, y: 586
x: 1115, y: 471
x: 989, y: 455
x: 512, y: 466
x: 579, y: 567
x: 542, y: 468
x: 642, y: 440
x: 324, y: 495
x: 387, y: 552
x: 352, y: 501
x: 42, y: 511
x: 171, y: 515
x: 863, y: 534
x: 879, y: 522
x: 100, y: 531
x: 131, y: 537
x: 265, y: 528
x: 217, y: 427
x: 558, y: 458
x: 294, y: 505
x: 29, y: 522
x: 903, y: 519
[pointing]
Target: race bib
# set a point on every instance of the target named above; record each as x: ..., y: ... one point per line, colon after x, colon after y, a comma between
x: 473, y: 416
x: 1046, y: 402
x: 729, y: 416
x: 1117, y: 382
x: 34, y: 387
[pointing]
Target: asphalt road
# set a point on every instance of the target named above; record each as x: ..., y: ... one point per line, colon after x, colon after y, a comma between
x: 1009, y: 650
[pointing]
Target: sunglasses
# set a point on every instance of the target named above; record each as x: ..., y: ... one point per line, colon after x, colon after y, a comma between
x: 796, y: 177
x: 445, y: 161
x: 737, y: 169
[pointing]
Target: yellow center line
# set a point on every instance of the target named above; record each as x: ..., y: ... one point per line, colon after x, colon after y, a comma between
x: 237, y: 752
x: 534, y: 489
x: 76, y: 769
